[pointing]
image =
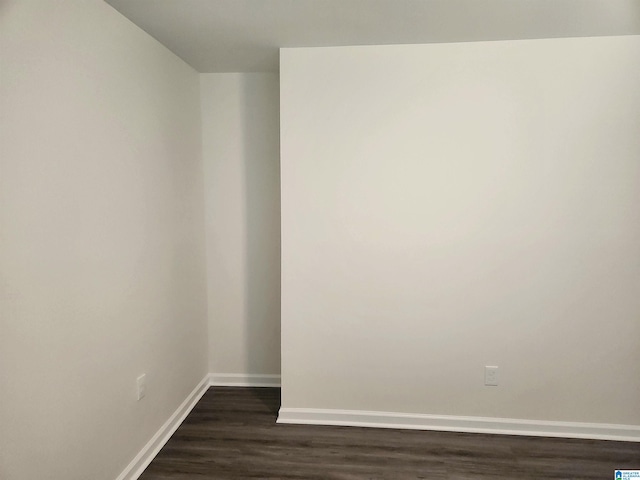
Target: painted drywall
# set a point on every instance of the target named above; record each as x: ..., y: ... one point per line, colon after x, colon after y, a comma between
x: 242, y: 187
x: 102, y: 259
x: 451, y: 206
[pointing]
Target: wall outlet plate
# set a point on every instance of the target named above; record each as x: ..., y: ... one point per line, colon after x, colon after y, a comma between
x: 491, y: 376
x: 141, y: 383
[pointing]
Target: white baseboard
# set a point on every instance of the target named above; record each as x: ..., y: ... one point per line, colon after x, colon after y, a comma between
x: 243, y: 380
x: 162, y: 436
x: 357, y: 418
x: 504, y: 426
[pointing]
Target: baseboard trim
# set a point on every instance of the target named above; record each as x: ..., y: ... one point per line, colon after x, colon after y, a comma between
x: 162, y: 436
x: 243, y: 380
x: 503, y: 426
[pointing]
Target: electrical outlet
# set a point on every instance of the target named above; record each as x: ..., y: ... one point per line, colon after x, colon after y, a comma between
x: 491, y: 376
x: 141, y: 382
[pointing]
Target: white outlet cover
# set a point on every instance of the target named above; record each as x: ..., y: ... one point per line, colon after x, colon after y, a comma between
x: 141, y: 383
x: 491, y: 376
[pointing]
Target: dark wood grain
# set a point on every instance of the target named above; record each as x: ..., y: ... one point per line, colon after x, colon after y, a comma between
x: 232, y: 434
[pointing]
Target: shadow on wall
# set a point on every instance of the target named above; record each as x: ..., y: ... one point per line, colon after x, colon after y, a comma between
x: 261, y: 164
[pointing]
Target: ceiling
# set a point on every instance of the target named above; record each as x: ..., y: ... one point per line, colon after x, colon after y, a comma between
x: 244, y: 35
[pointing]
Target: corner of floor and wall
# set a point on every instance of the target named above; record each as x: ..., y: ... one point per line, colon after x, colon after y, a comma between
x: 148, y: 452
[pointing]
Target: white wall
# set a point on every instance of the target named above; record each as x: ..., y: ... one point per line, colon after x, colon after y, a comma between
x: 242, y: 183
x: 102, y: 239
x: 451, y: 206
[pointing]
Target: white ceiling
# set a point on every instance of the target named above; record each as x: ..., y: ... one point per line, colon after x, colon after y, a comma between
x: 244, y: 35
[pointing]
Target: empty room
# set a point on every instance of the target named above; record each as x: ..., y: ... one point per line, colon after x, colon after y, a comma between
x: 319, y: 239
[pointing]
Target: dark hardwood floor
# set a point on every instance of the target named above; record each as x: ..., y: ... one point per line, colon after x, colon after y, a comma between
x: 232, y: 434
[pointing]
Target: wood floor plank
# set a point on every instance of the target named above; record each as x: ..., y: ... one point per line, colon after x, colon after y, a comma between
x: 231, y: 434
